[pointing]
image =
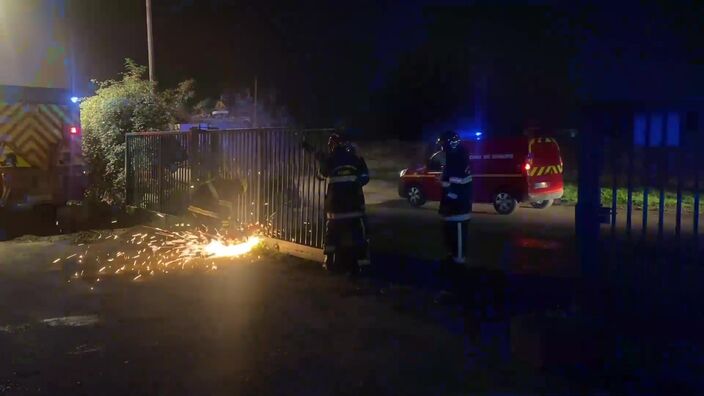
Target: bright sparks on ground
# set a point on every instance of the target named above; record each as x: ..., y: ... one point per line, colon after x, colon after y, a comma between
x: 217, y: 248
x: 162, y: 251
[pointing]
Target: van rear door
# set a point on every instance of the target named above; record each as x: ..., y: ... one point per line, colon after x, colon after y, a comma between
x: 545, y: 171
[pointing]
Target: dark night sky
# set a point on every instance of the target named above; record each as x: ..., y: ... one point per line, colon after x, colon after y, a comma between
x: 333, y: 60
x: 226, y: 43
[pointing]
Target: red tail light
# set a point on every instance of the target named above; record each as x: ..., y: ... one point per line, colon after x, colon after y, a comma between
x: 74, y: 130
x: 526, y: 167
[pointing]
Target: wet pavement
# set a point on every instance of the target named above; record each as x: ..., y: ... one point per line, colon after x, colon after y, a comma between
x: 518, y: 323
x: 272, y: 325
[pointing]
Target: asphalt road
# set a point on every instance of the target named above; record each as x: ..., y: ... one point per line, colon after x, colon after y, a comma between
x: 528, y: 241
x: 277, y: 325
x: 268, y: 325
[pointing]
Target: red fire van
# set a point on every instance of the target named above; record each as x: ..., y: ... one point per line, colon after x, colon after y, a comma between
x: 505, y: 171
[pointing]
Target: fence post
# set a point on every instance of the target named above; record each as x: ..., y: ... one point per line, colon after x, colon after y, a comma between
x: 589, y: 199
x: 646, y: 169
x: 129, y: 175
x: 194, y: 155
x: 160, y: 173
x: 259, y: 137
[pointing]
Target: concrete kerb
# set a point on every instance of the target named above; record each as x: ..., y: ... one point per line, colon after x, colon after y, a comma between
x: 293, y: 249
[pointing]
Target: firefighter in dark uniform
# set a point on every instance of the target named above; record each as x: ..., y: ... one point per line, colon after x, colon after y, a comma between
x: 456, y: 201
x: 346, y: 173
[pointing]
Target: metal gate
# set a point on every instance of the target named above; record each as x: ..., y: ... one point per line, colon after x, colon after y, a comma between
x: 282, y: 195
x: 641, y: 176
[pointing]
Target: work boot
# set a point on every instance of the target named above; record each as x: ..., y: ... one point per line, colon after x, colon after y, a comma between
x: 329, y: 263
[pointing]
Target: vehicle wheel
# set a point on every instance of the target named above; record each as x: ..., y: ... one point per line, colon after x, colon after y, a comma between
x: 505, y: 203
x: 415, y: 196
x: 544, y: 204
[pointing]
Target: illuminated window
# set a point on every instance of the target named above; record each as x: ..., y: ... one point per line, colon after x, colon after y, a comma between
x: 673, y: 129
x: 639, y: 126
x: 657, y: 129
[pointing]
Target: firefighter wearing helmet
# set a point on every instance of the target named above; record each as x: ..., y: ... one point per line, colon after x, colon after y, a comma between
x: 456, y: 202
x: 346, y: 246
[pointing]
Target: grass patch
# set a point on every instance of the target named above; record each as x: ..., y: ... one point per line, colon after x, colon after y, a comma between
x: 571, y: 193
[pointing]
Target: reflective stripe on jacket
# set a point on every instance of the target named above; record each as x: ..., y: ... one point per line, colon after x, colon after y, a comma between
x: 456, y: 201
x: 346, y: 173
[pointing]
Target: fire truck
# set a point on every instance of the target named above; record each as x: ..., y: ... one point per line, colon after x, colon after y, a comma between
x: 40, y: 135
x: 505, y: 171
x: 40, y: 147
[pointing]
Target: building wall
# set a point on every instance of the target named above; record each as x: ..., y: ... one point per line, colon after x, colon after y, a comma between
x: 34, y: 43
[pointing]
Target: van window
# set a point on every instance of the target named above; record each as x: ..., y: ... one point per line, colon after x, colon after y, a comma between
x: 545, y: 153
x: 436, y: 162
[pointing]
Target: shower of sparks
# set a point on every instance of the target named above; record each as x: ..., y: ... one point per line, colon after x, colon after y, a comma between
x: 219, y: 248
x: 161, y: 251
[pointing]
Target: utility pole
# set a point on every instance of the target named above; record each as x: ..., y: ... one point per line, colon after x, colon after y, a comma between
x: 150, y: 41
x: 255, y: 102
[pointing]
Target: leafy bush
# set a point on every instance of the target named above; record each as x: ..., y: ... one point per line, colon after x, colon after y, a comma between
x: 130, y: 104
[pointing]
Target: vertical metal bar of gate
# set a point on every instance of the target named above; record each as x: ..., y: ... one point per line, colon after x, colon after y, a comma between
x: 128, y: 172
x: 280, y: 187
x: 290, y: 235
x: 258, y: 150
x: 629, y: 204
x: 697, y: 171
x: 614, y: 184
x: 160, y: 171
x: 678, y: 215
x: 662, y: 176
x: 695, y: 225
x: 282, y: 195
x: 300, y: 203
x: 309, y: 217
x: 645, y: 163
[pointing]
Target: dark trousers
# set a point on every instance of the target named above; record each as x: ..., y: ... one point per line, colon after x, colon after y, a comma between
x: 347, y: 234
x: 456, y: 240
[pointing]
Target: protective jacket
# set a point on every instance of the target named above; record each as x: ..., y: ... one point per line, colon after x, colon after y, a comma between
x: 346, y: 173
x: 456, y: 202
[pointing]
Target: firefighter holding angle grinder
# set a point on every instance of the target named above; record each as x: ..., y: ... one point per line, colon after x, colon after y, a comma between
x: 346, y: 243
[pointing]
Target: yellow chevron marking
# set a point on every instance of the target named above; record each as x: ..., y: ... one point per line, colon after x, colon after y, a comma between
x: 34, y: 130
x: 6, y: 151
x: 45, y: 133
x: 61, y: 114
x: 545, y: 170
x: 51, y: 121
x: 9, y: 110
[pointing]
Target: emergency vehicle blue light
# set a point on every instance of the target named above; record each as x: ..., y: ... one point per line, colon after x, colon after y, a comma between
x: 74, y: 99
x: 477, y: 134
